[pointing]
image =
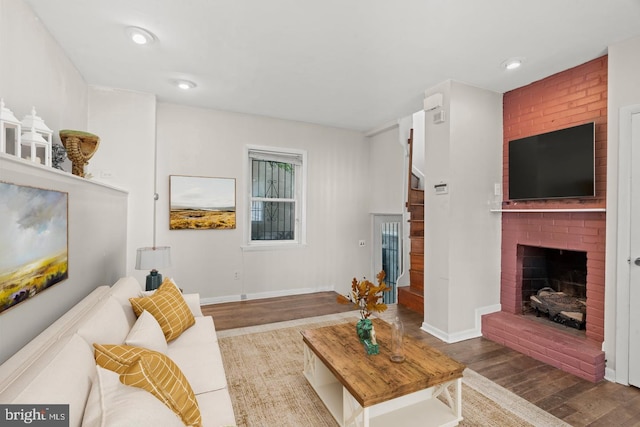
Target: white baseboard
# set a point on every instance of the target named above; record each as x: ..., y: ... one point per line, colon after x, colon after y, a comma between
x: 219, y: 300
x: 262, y: 295
x: 475, y: 332
x: 610, y: 375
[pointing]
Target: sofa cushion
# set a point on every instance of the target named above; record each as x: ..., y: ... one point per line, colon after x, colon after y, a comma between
x: 115, y: 357
x: 202, y: 331
x: 216, y: 408
x: 147, y: 333
x: 126, y: 288
x: 65, y: 379
x: 113, y: 404
x: 193, y: 301
x: 122, y: 290
x: 168, y: 307
x: 202, y: 366
x: 108, y: 324
x: 160, y: 376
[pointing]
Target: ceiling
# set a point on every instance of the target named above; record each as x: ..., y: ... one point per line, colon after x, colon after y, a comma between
x: 354, y: 64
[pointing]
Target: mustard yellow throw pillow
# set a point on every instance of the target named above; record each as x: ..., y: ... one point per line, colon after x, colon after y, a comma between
x: 160, y: 376
x: 154, y: 372
x: 169, y: 308
x: 116, y: 358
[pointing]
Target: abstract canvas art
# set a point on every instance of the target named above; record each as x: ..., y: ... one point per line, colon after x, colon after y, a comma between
x: 34, y: 236
x: 201, y: 203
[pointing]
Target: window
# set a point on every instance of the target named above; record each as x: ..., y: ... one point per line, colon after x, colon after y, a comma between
x: 276, y: 197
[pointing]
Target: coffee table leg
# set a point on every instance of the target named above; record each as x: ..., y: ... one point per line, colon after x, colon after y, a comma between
x: 309, y: 363
x: 354, y: 415
x: 453, y: 402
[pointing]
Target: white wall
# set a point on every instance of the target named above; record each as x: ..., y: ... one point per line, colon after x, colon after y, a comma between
x: 35, y: 72
x: 623, y: 91
x: 462, y: 236
x: 436, y: 210
x: 201, y: 142
x: 97, y: 236
x: 126, y: 123
x: 387, y: 163
x: 418, y: 145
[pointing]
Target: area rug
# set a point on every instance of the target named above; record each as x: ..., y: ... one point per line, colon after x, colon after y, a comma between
x: 264, y: 371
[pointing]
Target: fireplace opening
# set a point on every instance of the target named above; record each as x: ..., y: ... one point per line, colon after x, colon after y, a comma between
x: 554, y: 285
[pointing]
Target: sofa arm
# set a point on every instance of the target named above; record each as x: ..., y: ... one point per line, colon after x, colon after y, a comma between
x: 193, y: 301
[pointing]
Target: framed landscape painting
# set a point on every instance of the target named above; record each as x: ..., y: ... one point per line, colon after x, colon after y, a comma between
x: 34, y: 236
x: 202, y: 203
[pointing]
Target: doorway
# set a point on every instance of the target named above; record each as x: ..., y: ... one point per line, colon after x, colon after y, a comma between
x: 627, y: 250
x: 634, y: 252
x: 387, y: 236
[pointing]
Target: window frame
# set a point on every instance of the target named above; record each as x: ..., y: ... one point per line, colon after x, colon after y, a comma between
x: 282, y: 155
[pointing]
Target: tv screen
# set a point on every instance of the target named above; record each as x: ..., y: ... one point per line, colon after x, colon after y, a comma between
x: 558, y: 164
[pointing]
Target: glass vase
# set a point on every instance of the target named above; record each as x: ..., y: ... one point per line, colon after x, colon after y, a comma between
x: 397, y: 344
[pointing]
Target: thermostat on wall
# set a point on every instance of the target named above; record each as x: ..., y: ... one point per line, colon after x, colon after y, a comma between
x: 441, y: 188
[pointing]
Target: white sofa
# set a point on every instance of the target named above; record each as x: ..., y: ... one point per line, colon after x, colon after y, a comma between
x: 58, y: 366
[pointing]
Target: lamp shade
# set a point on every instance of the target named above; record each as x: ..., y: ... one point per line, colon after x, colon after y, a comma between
x: 153, y: 258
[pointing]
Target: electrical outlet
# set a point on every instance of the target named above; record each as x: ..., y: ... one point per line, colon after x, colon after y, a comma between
x: 236, y: 275
x: 361, y: 243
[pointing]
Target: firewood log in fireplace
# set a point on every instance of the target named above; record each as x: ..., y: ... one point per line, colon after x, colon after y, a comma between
x: 561, y: 308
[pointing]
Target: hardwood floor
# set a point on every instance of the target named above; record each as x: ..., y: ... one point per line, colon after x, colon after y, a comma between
x: 572, y: 399
x: 231, y: 315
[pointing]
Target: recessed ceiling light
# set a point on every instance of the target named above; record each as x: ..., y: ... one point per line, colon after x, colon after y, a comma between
x: 185, y: 84
x: 512, y: 63
x: 140, y: 35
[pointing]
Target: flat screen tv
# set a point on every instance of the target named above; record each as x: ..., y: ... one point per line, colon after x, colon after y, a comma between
x: 558, y: 164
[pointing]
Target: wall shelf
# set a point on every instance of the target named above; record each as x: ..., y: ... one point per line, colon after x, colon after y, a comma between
x: 551, y: 210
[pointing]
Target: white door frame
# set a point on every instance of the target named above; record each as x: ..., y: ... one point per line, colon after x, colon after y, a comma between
x: 623, y: 266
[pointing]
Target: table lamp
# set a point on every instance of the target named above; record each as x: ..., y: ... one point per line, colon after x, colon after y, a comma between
x: 153, y: 258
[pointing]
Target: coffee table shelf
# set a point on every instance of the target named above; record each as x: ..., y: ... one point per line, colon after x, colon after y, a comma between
x: 428, y: 413
x: 414, y: 400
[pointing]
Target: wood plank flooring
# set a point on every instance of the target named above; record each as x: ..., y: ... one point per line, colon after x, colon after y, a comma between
x: 572, y: 399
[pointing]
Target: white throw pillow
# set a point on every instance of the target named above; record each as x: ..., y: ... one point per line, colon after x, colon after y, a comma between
x: 147, y: 333
x: 113, y: 404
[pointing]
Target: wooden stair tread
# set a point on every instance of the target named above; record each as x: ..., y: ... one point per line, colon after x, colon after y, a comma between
x: 411, y: 290
x: 412, y: 299
x: 412, y: 296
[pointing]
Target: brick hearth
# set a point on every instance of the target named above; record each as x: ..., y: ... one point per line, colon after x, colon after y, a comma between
x: 572, y: 354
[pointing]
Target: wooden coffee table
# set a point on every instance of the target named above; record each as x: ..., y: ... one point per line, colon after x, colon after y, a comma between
x: 365, y: 391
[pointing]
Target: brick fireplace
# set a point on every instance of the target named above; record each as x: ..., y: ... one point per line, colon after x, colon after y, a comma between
x: 575, y: 96
x: 577, y: 231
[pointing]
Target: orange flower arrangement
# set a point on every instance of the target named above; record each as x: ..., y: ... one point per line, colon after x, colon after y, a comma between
x: 366, y: 296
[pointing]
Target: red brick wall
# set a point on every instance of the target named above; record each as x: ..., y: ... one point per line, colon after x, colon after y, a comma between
x: 569, y: 98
